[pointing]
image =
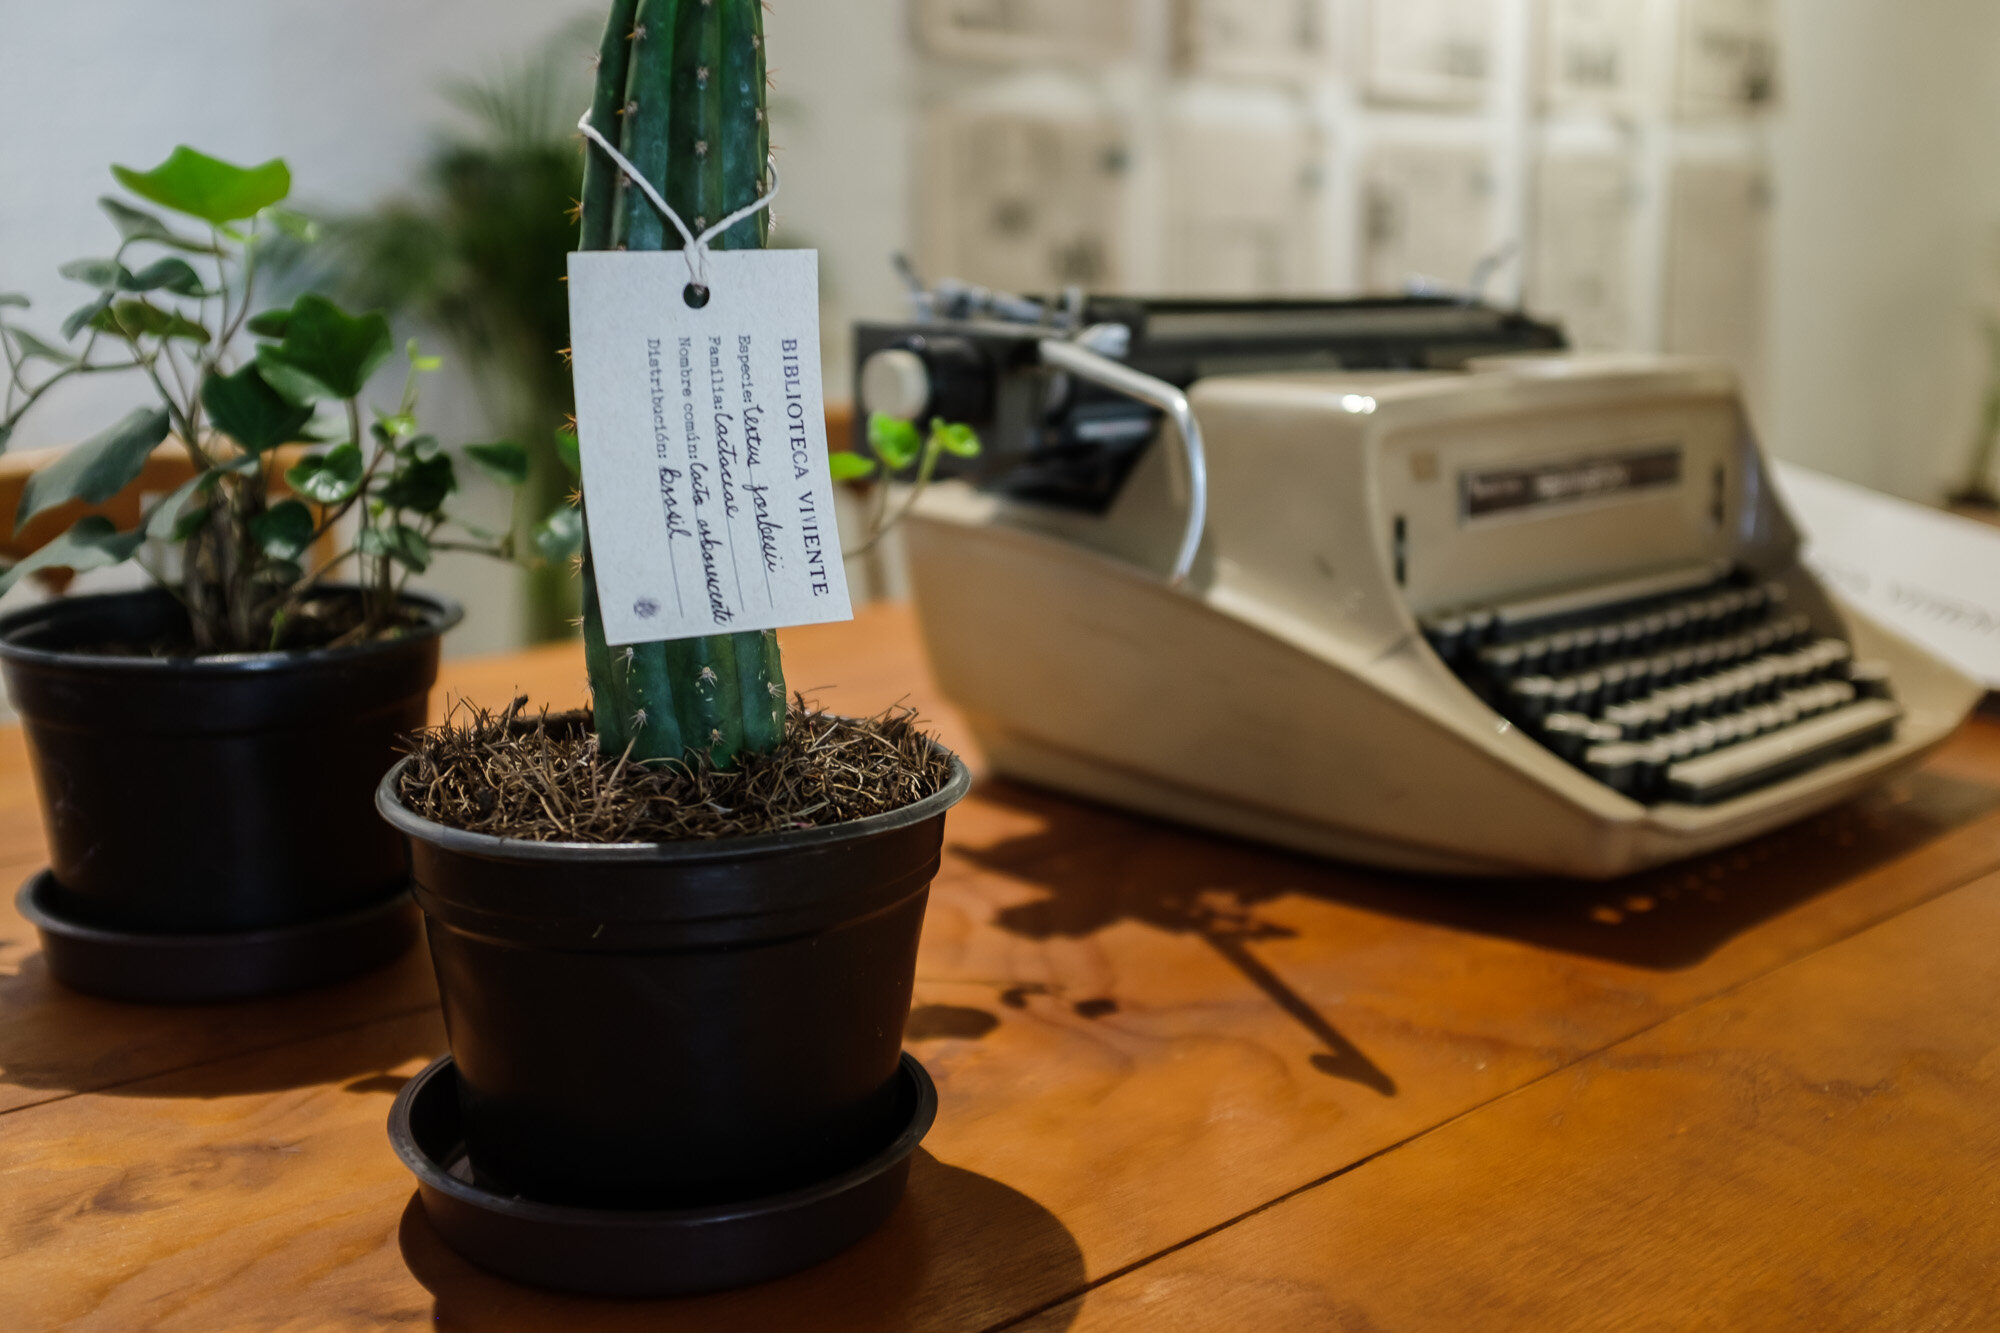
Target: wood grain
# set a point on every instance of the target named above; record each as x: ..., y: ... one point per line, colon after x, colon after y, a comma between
x: 202, y: 1208
x: 1139, y: 1033
x: 1819, y: 1149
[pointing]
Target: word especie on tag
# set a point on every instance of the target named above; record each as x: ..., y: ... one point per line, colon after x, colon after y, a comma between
x: 703, y: 434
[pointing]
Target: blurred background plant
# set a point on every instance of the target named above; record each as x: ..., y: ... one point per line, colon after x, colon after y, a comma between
x: 478, y: 253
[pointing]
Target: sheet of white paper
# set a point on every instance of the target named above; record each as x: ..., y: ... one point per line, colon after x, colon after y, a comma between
x: 1728, y: 57
x: 1590, y: 53
x: 1431, y: 52
x: 1242, y: 215
x: 1028, y: 31
x: 1430, y: 215
x: 1934, y: 576
x: 703, y: 433
x: 1580, y: 268
x: 1026, y: 201
x: 1251, y: 39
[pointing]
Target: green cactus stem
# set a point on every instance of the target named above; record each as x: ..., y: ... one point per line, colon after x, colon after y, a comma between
x: 680, y: 89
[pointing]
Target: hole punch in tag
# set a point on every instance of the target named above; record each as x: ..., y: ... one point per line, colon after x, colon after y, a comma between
x: 702, y: 424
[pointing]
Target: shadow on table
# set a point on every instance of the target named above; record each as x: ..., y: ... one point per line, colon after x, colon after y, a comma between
x: 1100, y: 867
x: 56, y: 1039
x: 1675, y: 916
x: 962, y: 1251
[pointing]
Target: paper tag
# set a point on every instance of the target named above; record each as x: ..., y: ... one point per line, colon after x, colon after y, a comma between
x: 703, y: 432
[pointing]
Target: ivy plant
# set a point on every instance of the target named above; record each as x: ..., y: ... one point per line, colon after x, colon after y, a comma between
x: 898, y: 451
x: 251, y: 543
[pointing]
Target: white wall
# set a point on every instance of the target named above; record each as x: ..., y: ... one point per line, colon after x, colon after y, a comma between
x: 1887, y: 171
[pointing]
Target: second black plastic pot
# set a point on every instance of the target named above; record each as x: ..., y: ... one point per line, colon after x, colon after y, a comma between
x: 650, y: 1026
x: 212, y: 795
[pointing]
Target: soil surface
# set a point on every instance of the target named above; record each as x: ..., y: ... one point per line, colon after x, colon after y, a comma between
x: 325, y: 621
x: 543, y: 779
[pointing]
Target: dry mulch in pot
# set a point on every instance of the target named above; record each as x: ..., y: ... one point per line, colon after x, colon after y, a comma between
x: 543, y: 779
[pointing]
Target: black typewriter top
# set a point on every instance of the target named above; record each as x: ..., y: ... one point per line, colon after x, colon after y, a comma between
x: 1073, y: 446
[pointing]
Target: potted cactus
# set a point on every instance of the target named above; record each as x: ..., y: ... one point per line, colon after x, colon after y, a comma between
x: 675, y: 937
x: 206, y: 749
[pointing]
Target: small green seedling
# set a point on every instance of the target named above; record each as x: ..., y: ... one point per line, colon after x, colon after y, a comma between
x: 897, y: 448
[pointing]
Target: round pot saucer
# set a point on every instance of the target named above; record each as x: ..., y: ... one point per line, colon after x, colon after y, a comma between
x: 634, y: 1252
x: 196, y: 969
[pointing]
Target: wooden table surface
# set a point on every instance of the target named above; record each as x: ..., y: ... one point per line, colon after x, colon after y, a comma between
x: 1186, y: 1083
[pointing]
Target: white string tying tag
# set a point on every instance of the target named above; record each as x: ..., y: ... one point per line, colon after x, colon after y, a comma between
x: 694, y: 247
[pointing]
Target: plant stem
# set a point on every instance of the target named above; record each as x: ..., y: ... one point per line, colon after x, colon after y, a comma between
x: 881, y: 522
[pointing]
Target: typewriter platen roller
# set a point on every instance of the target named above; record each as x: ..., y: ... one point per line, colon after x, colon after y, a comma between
x: 1525, y: 615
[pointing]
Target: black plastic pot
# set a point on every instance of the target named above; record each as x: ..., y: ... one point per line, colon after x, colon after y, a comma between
x: 677, y: 1025
x: 213, y: 796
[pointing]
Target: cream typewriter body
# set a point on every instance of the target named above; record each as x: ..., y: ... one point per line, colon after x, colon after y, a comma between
x: 1532, y: 615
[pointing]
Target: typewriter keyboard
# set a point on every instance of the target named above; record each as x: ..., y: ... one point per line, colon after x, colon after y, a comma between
x: 1692, y: 686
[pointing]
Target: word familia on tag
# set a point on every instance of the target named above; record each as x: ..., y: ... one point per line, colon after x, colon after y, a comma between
x: 703, y: 431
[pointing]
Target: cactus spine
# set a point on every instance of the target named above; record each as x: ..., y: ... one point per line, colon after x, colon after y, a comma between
x: 680, y: 89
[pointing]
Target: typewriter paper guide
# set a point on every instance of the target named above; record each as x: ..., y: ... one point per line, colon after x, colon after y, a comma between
x: 1295, y: 697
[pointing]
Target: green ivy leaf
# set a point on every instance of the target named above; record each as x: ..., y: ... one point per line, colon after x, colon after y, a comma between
x: 329, y: 478
x: 955, y: 438
x: 401, y: 543
x: 87, y: 314
x: 293, y: 223
x: 251, y: 412
x: 207, y: 187
x: 560, y: 535
x: 91, y: 543
x: 503, y: 460
x: 420, y: 485
x: 97, y: 469
x: 32, y: 348
x: 570, y: 450
x: 483, y: 533
x: 394, y: 425
x: 107, y: 275
x: 850, y: 466
x: 165, y: 519
x: 175, y: 275
x: 326, y: 353
x: 894, y: 441
x: 270, y: 324
x: 186, y: 525
x: 141, y: 319
x: 136, y: 224
x: 284, y: 530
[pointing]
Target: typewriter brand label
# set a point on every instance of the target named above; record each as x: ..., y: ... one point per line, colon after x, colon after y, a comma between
x: 1489, y: 491
x: 703, y: 433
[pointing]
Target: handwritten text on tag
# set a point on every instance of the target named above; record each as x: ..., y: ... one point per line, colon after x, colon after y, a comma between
x: 703, y: 434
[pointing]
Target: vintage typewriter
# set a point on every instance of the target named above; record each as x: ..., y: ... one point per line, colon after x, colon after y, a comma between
x: 1394, y: 581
